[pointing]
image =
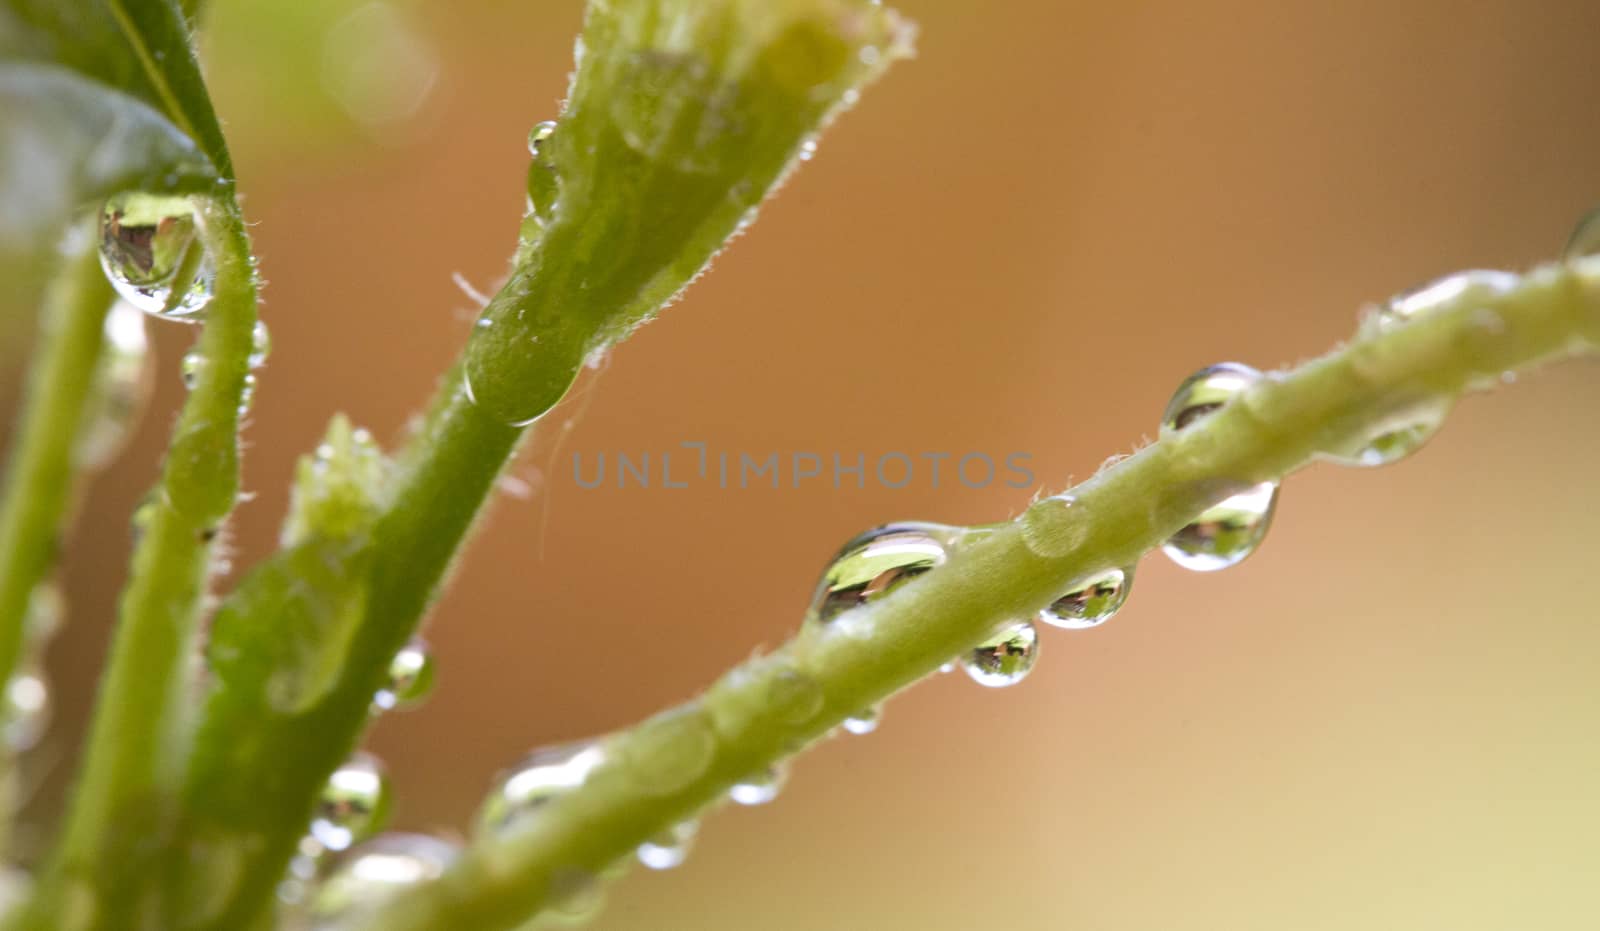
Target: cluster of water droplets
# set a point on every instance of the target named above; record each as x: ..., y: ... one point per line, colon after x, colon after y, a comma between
x: 352, y: 807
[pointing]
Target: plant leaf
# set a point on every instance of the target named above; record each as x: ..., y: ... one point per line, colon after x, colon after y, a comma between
x: 98, y: 96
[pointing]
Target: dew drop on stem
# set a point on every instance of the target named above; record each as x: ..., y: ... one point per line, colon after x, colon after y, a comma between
x: 1224, y: 534
x: 153, y: 255
x: 1004, y: 659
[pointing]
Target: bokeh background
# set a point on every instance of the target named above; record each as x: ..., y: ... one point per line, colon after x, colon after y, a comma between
x: 1022, y: 240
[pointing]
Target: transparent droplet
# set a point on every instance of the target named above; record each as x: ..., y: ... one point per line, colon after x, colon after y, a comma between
x: 27, y: 710
x: 1005, y: 659
x: 575, y: 895
x: 1585, y: 238
x: 1225, y: 534
x: 411, y: 678
x: 1400, y: 435
x: 538, y: 136
x: 543, y: 181
x: 260, y: 345
x: 669, y: 848
x: 152, y: 254
x: 1423, y: 300
x: 877, y: 562
x: 1091, y: 602
x: 371, y: 874
x: 121, y: 387
x: 759, y: 788
x: 247, y: 393
x: 354, y: 804
x: 808, y: 149
x: 864, y: 721
x: 190, y: 368
x: 541, y: 777
x: 1205, y: 392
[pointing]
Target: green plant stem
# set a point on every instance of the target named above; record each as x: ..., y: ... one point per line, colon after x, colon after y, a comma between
x: 683, y: 115
x: 122, y: 809
x: 254, y: 823
x: 39, y: 482
x: 669, y: 768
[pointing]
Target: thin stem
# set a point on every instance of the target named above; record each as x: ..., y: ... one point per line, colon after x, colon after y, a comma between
x: 122, y: 811
x: 669, y: 768
x: 39, y: 483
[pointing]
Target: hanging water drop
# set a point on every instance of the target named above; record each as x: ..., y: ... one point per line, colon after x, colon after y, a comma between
x: 669, y: 848
x: 541, y: 777
x: 190, y: 367
x: 877, y: 562
x: 27, y: 710
x: 1226, y: 533
x: 543, y: 181
x: 1204, y: 392
x: 260, y: 345
x: 761, y: 787
x: 247, y: 393
x: 354, y: 804
x: 1004, y: 659
x: 1400, y: 435
x: 368, y: 876
x: 808, y: 149
x: 1091, y: 602
x: 1419, y: 302
x: 120, y: 390
x: 151, y: 251
x: 411, y: 678
x: 46, y: 609
x: 864, y: 721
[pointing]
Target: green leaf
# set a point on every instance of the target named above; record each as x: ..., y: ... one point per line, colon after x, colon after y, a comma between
x: 98, y: 96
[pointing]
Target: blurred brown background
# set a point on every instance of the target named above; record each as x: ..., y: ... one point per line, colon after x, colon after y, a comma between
x: 1022, y: 240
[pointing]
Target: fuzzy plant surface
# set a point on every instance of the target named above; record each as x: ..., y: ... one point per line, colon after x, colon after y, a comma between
x: 221, y: 786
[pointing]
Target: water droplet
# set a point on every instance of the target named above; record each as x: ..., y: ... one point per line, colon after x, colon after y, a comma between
x: 1225, y: 534
x: 877, y: 562
x: 247, y: 393
x: 368, y: 876
x: 1400, y: 435
x: 260, y: 345
x: 1091, y: 602
x: 669, y: 848
x: 190, y: 368
x: 1005, y: 659
x: 760, y: 788
x: 538, y: 136
x: 27, y: 710
x: 544, y: 184
x: 121, y: 387
x: 411, y: 678
x: 808, y: 149
x: 151, y: 252
x: 542, y: 776
x: 1205, y: 392
x: 669, y: 751
x: 575, y: 894
x: 794, y: 696
x: 1423, y: 300
x: 1047, y: 530
x: 864, y: 721
x: 353, y: 805
x: 1585, y: 238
